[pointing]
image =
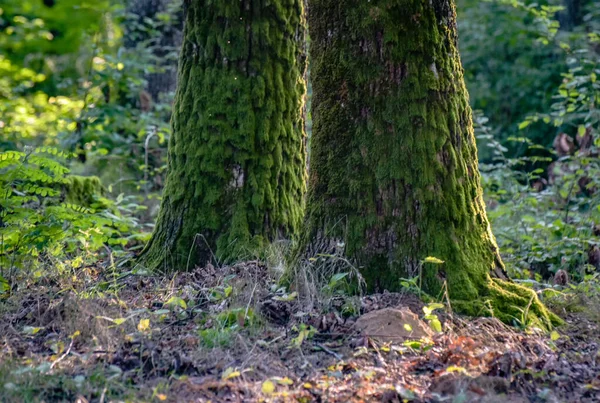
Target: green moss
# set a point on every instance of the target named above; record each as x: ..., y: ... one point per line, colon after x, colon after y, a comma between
x: 82, y: 190
x: 511, y: 303
x: 236, y: 169
x: 393, y: 172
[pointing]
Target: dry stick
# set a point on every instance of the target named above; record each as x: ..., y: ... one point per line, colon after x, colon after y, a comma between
x: 62, y: 357
x: 329, y: 351
x: 250, y: 300
x: 146, y: 146
x: 379, y: 356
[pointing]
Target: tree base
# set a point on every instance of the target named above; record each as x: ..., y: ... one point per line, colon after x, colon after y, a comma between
x: 512, y: 304
x: 82, y: 190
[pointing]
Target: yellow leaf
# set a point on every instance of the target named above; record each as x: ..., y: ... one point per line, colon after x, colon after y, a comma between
x: 268, y: 387
x: 285, y: 381
x: 143, y: 325
x: 407, y: 327
x: 307, y: 385
x: 431, y: 259
x: 554, y: 335
x: 31, y: 330
x: 454, y: 368
x: 229, y: 373
x: 161, y: 396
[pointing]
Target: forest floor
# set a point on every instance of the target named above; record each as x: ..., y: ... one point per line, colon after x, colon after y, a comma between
x: 228, y: 335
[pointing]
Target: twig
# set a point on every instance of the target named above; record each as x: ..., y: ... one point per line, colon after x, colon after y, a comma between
x: 329, y: 351
x: 62, y: 357
x: 379, y: 356
x: 250, y: 300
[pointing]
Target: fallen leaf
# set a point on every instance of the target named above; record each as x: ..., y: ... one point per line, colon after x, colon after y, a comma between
x: 143, y: 325
x: 268, y: 387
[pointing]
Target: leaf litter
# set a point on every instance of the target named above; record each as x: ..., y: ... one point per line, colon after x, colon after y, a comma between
x: 230, y: 334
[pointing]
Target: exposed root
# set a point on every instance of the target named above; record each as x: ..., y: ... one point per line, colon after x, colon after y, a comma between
x: 512, y: 304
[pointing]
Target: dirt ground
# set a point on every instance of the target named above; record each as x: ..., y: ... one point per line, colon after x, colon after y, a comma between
x: 229, y: 335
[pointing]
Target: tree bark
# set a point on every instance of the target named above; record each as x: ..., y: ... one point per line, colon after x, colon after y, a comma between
x: 236, y: 162
x: 394, y: 174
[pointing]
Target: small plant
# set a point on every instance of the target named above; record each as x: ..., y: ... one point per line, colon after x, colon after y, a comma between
x: 304, y: 333
x: 431, y: 318
x: 338, y: 284
x: 226, y: 325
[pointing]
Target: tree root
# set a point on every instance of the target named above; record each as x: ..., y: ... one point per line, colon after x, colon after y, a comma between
x: 512, y: 304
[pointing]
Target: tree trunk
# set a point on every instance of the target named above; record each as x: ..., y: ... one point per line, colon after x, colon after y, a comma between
x: 394, y: 176
x: 570, y: 17
x: 165, y: 80
x: 236, y: 168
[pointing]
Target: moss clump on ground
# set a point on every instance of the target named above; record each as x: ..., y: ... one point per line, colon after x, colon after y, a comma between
x: 82, y: 190
x: 511, y: 303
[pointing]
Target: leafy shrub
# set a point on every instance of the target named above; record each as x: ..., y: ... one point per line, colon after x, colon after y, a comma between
x: 544, y: 203
x: 39, y: 222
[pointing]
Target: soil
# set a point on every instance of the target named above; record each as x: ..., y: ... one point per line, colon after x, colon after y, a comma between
x: 230, y: 335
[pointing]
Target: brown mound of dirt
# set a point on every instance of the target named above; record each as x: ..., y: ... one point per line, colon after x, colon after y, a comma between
x: 392, y: 324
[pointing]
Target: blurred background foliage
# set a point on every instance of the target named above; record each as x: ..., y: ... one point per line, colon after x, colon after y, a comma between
x: 513, y: 60
x: 88, y: 84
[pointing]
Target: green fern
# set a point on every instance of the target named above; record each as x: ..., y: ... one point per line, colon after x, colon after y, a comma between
x: 37, y: 221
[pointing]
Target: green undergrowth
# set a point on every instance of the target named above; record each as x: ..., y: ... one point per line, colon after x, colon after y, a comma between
x: 580, y: 298
x: 26, y: 383
x: 226, y: 325
x: 51, y: 219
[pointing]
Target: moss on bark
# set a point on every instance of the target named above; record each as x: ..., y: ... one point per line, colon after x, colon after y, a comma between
x: 82, y: 190
x: 236, y: 168
x: 393, y: 173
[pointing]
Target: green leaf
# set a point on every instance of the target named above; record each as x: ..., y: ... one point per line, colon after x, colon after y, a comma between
x: 413, y: 344
x: 524, y: 124
x: 432, y: 307
x: 4, y: 286
x: 337, y: 277
x: 176, y: 301
x: 436, y: 325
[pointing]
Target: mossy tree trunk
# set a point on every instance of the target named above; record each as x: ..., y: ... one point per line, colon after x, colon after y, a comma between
x: 393, y: 175
x: 236, y: 162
